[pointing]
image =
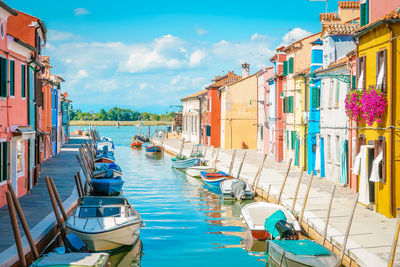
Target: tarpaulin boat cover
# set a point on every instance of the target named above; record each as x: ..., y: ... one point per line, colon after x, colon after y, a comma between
x: 238, y: 188
x: 302, y: 247
x: 272, y: 220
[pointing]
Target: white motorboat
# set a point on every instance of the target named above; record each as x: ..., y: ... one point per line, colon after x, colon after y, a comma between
x: 236, y: 188
x: 105, y: 223
x: 194, y: 171
x: 256, y: 213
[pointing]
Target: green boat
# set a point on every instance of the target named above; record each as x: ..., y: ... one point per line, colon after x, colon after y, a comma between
x: 299, y: 253
x: 72, y: 260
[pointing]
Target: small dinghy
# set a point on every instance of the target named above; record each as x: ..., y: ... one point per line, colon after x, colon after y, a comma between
x: 261, y: 219
x: 185, y: 163
x: 298, y: 253
x: 107, y: 186
x: 136, y: 144
x: 237, y: 189
x: 72, y: 260
x: 105, y: 223
x: 105, y: 145
x: 194, y: 171
x: 151, y: 150
x: 107, y: 170
x: 213, y: 179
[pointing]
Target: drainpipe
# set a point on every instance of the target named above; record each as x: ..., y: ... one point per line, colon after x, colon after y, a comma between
x: 391, y: 120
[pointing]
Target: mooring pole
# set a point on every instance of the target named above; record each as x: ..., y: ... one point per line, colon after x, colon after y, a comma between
x: 296, y: 192
x: 83, y: 191
x: 328, y: 215
x: 232, y: 162
x: 284, y: 181
x: 182, y: 145
x: 346, y: 235
x: 17, y: 236
x: 395, y: 240
x: 77, y: 186
x: 204, y: 153
x: 58, y: 199
x: 306, y: 198
x: 216, y: 159
x: 241, y: 165
x: 269, y: 190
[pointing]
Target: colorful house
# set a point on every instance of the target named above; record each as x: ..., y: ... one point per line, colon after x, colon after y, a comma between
x: 378, y: 66
x: 239, y: 112
x: 263, y: 102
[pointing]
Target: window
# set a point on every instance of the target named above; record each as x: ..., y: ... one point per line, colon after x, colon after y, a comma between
x: 331, y: 84
x: 364, y: 12
x: 12, y: 78
x: 262, y: 132
x: 381, y: 70
x: 328, y: 148
x: 337, y: 149
x: 337, y: 94
x: 287, y: 139
x: 291, y: 67
x: 20, y: 158
x: 361, y: 73
x: 4, y: 159
x: 208, y: 130
x: 288, y: 104
x: 315, y: 97
x: 285, y: 68
x: 23, y: 81
x: 3, y: 77
x: 353, y: 82
x: 293, y: 140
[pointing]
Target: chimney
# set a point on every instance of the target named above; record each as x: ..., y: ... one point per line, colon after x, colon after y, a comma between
x: 245, y: 70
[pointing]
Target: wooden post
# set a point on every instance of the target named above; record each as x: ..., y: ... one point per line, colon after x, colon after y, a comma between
x: 284, y: 181
x: 297, y: 189
x: 232, y: 162
x: 258, y: 175
x: 241, y: 165
x: 204, y: 153
x: 395, y: 240
x: 268, y: 192
x: 83, y: 190
x: 23, y: 221
x: 58, y: 199
x: 328, y: 215
x: 182, y: 145
x: 306, y: 198
x: 191, y: 152
x: 77, y: 186
x: 17, y: 236
x: 346, y: 235
x: 216, y: 159
x: 56, y: 213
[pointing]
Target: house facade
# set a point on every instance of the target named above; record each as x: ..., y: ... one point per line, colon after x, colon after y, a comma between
x: 191, y: 113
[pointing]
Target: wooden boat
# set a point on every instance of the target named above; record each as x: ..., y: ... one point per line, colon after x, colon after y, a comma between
x: 231, y: 189
x: 136, y: 144
x: 105, y: 223
x: 107, y: 186
x: 297, y: 253
x: 153, y: 149
x: 104, y: 146
x: 255, y: 215
x: 213, y: 179
x: 194, y: 171
x: 185, y: 163
x: 107, y: 170
x: 72, y: 260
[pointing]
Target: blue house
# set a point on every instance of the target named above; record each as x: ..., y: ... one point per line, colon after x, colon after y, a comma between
x: 54, y: 118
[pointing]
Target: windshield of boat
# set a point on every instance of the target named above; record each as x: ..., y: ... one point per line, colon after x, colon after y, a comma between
x: 86, y: 212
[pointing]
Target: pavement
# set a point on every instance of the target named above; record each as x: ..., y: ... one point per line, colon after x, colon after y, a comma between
x: 371, y: 234
x: 36, y: 205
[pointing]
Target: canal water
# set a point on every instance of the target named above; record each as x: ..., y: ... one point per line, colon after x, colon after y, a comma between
x: 186, y: 224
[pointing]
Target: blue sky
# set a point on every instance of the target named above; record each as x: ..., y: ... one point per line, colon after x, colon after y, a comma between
x: 146, y: 55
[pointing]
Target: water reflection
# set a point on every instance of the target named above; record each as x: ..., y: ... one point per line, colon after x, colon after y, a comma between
x: 127, y: 256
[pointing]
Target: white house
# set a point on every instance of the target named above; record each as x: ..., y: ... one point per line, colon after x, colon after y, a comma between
x: 191, y: 117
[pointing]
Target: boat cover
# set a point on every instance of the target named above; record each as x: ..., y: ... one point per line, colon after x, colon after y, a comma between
x: 72, y: 259
x: 272, y: 220
x: 238, y: 188
x: 108, y: 168
x: 302, y: 247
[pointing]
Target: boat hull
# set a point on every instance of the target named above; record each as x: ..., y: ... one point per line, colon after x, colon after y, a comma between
x: 151, y: 150
x: 111, y: 239
x: 214, y: 180
x: 186, y: 163
x: 107, y: 186
x: 195, y: 170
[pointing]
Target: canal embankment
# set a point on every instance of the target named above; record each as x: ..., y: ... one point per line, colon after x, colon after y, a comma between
x: 37, y: 207
x: 371, y: 234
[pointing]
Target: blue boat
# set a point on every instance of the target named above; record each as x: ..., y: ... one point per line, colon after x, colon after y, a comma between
x: 215, y: 178
x: 153, y: 149
x: 107, y: 186
x: 185, y: 163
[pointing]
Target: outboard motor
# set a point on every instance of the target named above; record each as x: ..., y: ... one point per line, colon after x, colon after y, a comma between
x: 286, y: 230
x: 238, y: 189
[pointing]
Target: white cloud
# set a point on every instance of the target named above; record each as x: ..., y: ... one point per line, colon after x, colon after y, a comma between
x: 81, y: 11
x: 143, y: 86
x: 81, y: 74
x: 258, y: 37
x: 55, y: 35
x: 294, y: 35
x: 197, y: 57
x: 201, y: 31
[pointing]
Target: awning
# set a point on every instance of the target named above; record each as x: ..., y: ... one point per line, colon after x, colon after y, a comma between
x: 26, y: 132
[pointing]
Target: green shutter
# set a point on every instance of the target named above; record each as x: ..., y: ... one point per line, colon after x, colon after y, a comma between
x: 284, y: 105
x: 208, y: 130
x: 287, y: 139
x: 7, y: 157
x: 290, y: 100
x: 291, y: 65
x: 23, y: 80
x: 315, y: 97
x: 262, y: 132
x: 4, y: 161
x: 293, y: 140
x: 353, y: 82
x: 3, y: 77
x: 364, y: 13
x: 285, y: 68
x: 12, y: 78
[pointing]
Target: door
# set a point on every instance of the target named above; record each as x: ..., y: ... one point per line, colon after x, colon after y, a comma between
x: 13, y: 161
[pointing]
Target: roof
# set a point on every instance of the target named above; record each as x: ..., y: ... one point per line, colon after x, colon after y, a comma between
x: 18, y: 27
x: 194, y: 95
x: 341, y: 28
x: 329, y: 17
x: 302, y: 72
x: 338, y: 63
x: 299, y: 41
x: 349, y: 4
x: 8, y: 9
x: 390, y: 17
x: 24, y: 44
x: 226, y: 79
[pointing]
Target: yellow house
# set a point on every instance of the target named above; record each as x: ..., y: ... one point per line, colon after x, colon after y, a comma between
x: 378, y: 65
x: 239, y: 114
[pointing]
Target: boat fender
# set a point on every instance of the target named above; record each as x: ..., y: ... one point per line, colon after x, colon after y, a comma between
x: 75, y: 243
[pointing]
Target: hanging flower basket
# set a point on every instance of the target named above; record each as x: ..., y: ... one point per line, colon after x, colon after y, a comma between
x: 367, y: 106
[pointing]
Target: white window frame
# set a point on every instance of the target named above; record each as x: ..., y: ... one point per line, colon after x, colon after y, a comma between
x: 20, y: 143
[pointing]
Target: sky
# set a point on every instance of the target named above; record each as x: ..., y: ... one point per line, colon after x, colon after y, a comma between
x: 147, y: 55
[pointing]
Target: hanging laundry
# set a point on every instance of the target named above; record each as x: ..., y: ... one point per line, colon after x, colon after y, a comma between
x: 375, y: 168
x: 318, y: 154
x: 343, y: 162
x: 357, y: 163
x: 364, y: 184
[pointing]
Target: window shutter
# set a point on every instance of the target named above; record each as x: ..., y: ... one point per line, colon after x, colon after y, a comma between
x: 366, y: 12
x: 318, y: 97
x: 362, y: 14
x: 39, y: 92
x: 285, y: 67
x: 287, y: 139
x: 12, y: 78
x: 7, y: 160
x: 353, y: 82
x: 208, y: 130
x: 23, y: 81
x: 3, y: 77
x: 291, y: 104
x: 384, y: 83
x: 291, y: 65
x: 262, y: 132
x: 284, y: 105
x: 364, y: 66
x: 314, y: 97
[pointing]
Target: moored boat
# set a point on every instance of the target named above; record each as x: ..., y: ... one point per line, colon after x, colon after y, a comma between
x: 105, y: 223
x: 185, y: 163
x: 256, y: 215
x: 72, y: 260
x: 136, y: 144
x: 213, y: 179
x: 107, y: 186
x: 236, y: 189
x: 104, y: 145
x: 298, y: 253
x: 153, y: 149
x: 194, y: 171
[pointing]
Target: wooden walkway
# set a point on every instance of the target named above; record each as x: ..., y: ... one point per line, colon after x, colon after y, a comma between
x: 36, y: 205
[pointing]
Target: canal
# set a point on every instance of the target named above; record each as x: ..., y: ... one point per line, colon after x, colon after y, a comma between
x: 186, y: 224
